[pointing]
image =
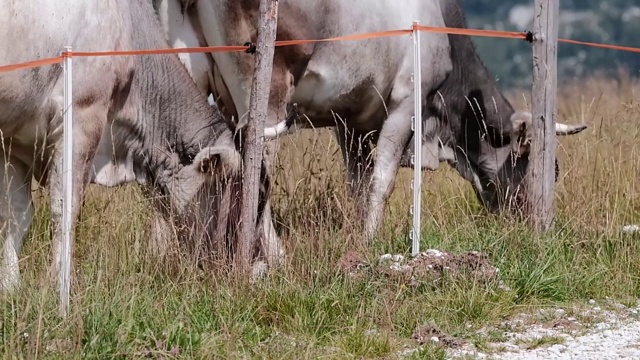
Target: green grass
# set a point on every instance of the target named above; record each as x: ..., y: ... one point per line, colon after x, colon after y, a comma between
x: 127, y: 305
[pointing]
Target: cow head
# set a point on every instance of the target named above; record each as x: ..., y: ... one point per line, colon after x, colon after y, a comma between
x: 487, y: 140
x: 210, y: 165
x: 496, y: 168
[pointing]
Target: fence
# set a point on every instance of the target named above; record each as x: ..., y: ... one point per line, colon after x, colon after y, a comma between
x: 66, y: 59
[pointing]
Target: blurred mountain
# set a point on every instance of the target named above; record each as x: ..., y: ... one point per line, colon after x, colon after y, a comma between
x: 603, y: 21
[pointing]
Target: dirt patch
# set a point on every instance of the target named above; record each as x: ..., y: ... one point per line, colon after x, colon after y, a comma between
x: 351, y: 263
x: 432, y: 266
x: 430, y: 333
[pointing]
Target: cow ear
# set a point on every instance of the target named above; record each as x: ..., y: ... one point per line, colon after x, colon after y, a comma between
x: 217, y: 160
x: 521, y: 136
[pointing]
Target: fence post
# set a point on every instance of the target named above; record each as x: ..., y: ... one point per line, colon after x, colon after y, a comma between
x: 416, y: 182
x: 253, y: 142
x: 67, y: 184
x: 541, y: 178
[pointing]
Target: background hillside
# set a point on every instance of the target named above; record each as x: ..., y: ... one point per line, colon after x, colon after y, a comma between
x: 611, y: 22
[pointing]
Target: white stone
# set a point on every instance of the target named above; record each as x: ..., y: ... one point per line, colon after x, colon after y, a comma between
x: 385, y: 257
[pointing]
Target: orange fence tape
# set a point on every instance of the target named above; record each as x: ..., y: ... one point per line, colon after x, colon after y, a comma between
x: 473, y: 32
x: 381, y: 34
x: 603, y: 46
x: 372, y: 35
x: 208, y: 49
x: 31, y: 64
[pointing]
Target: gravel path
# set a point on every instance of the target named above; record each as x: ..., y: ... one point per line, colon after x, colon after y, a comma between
x: 606, y: 343
x: 601, y: 334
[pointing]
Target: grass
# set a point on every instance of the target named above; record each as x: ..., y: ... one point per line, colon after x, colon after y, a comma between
x: 126, y: 305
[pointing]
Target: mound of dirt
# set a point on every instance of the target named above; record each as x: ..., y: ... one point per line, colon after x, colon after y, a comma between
x: 429, y: 267
x: 432, y: 266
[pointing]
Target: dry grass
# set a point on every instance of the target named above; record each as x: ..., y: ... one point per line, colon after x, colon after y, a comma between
x: 125, y: 305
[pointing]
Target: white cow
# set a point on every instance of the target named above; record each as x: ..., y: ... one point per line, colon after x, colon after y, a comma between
x: 142, y: 117
x: 364, y: 88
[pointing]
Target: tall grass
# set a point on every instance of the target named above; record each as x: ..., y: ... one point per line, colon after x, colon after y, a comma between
x: 126, y: 305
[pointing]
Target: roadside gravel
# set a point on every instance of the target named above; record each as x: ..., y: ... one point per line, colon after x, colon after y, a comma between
x: 599, y: 334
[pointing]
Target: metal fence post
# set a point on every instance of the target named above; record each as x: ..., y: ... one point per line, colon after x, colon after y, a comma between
x: 417, y: 143
x: 67, y: 184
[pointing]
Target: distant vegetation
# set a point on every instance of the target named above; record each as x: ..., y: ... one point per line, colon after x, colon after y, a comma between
x: 610, y: 22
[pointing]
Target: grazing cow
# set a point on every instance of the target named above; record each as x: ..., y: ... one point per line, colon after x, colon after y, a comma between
x: 364, y: 88
x: 474, y: 128
x: 136, y: 118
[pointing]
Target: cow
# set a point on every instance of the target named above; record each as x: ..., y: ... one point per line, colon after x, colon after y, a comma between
x: 136, y: 119
x: 469, y: 128
x: 364, y: 89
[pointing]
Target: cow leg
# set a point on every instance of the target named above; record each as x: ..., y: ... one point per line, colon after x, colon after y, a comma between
x: 16, y: 214
x: 270, y: 242
x: 89, y: 122
x: 394, y: 135
x: 356, y: 154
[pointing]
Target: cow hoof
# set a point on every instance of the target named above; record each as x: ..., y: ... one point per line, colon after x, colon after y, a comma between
x: 259, y: 271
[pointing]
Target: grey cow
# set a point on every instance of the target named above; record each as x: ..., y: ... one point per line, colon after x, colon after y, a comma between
x: 136, y: 118
x: 473, y: 127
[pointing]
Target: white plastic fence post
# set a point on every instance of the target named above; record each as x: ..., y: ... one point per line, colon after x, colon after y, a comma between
x: 417, y: 143
x: 67, y: 186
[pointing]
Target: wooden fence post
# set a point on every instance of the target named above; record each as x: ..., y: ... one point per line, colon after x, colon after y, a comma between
x: 253, y: 140
x: 541, y: 177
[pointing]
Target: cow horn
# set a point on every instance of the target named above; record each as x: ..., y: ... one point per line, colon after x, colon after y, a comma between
x: 281, y: 128
x: 564, y: 129
x: 284, y: 127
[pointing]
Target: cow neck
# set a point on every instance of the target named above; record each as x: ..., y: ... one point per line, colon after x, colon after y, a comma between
x: 472, y: 100
x: 182, y: 128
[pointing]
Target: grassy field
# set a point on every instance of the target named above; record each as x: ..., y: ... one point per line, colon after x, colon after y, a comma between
x: 125, y: 305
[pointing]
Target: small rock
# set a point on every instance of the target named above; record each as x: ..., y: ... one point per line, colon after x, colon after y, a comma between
x: 400, y: 268
x: 434, y: 339
x: 512, y: 347
x: 630, y: 229
x: 601, y: 326
x: 557, y: 349
x: 596, y: 309
x: 385, y: 257
x: 518, y: 323
x: 592, y: 302
x: 434, y: 252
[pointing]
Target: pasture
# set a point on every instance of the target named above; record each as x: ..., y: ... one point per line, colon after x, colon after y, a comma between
x: 125, y: 304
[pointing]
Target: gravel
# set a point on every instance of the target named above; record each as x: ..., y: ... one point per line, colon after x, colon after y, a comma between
x: 612, y: 334
x: 594, y: 330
